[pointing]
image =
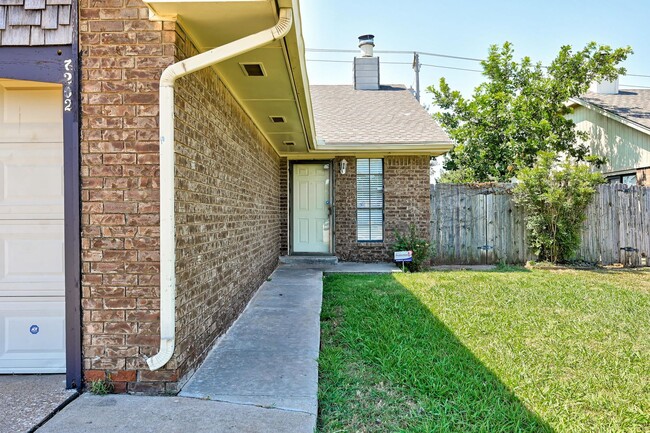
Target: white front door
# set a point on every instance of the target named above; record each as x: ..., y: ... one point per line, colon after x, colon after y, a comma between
x: 311, y: 208
x: 32, y: 296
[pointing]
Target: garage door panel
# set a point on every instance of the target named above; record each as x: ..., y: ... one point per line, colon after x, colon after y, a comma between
x: 32, y: 259
x: 32, y: 269
x: 33, y: 337
x: 31, y: 181
x: 30, y: 112
x: 31, y: 133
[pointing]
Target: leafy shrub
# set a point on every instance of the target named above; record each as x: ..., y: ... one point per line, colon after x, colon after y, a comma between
x: 555, y: 197
x: 457, y: 176
x: 421, y: 248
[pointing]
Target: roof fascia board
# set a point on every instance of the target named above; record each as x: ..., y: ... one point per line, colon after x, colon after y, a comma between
x: 607, y: 113
x: 297, y: 69
x: 431, y: 149
x: 365, y: 147
x: 154, y: 16
x: 620, y: 172
x: 368, y: 154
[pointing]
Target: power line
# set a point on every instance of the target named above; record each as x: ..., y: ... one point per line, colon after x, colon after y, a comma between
x: 450, y: 57
x: 398, y: 63
x: 635, y: 86
x: 452, y: 67
x: 424, y: 53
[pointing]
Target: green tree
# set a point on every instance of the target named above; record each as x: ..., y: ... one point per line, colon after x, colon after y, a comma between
x: 555, y: 196
x: 520, y: 110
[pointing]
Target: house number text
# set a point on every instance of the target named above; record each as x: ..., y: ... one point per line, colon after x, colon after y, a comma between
x: 67, y: 85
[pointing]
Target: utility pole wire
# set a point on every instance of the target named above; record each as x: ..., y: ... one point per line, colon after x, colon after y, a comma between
x: 636, y: 86
x: 334, y: 50
x: 452, y: 67
x: 397, y: 63
x: 424, y: 53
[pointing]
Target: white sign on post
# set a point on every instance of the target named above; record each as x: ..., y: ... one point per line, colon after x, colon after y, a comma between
x: 403, y: 256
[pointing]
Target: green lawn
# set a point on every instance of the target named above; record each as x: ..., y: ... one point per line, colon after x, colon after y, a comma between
x: 498, y: 351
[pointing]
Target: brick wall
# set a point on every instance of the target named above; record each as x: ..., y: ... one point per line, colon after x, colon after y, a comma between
x: 227, y: 200
x: 406, y: 201
x: 227, y: 210
x: 284, y: 206
x: 643, y: 176
x: 123, y: 54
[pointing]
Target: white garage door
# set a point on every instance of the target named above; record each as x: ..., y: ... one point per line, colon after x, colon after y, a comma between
x: 32, y: 307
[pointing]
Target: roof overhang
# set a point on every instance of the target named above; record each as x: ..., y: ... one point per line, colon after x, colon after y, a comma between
x: 283, y: 90
x: 600, y: 110
x: 432, y: 149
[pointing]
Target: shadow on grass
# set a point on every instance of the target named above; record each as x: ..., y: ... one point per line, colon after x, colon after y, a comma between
x: 478, y: 268
x: 641, y: 270
x: 388, y: 365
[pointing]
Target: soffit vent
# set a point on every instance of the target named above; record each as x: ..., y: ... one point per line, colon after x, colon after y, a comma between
x: 278, y: 119
x: 253, y: 69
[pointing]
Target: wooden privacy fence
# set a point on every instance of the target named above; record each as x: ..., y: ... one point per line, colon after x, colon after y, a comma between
x: 475, y: 224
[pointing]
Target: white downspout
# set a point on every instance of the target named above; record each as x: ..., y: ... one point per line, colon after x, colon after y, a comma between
x: 167, y: 222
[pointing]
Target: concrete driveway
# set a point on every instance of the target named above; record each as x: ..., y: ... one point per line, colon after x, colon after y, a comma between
x: 27, y: 400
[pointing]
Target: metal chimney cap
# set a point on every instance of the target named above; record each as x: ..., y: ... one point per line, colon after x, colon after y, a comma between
x: 367, y: 39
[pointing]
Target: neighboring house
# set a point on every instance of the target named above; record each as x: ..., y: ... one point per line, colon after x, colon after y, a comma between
x: 618, y: 124
x: 189, y: 195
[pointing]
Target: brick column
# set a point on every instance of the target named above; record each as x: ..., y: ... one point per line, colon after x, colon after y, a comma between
x: 123, y: 54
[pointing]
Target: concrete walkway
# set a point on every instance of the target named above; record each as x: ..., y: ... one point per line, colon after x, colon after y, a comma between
x: 269, y: 357
x: 261, y: 376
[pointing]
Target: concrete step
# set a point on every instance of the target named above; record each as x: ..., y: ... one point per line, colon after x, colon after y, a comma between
x: 309, y: 260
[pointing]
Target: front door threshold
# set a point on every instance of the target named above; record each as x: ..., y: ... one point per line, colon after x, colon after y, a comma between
x: 308, y: 259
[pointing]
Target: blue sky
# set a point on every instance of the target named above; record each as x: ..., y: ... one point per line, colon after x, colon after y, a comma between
x: 466, y: 28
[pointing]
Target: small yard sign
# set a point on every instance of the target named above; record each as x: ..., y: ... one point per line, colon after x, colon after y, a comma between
x: 403, y: 256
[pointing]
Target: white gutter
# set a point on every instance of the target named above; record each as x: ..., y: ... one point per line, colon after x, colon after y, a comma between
x: 167, y: 221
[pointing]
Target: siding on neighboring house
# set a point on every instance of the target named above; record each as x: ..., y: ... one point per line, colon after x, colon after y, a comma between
x: 406, y: 201
x: 227, y: 208
x: 35, y: 22
x: 625, y: 148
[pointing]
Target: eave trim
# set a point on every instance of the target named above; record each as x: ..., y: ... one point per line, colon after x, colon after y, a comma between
x: 607, y: 113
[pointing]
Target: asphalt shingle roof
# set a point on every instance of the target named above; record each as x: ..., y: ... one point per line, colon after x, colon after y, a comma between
x: 632, y: 104
x: 390, y: 115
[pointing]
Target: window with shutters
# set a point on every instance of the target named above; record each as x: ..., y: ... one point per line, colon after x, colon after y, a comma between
x: 370, y: 200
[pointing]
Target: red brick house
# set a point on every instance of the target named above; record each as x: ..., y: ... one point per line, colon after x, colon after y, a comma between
x: 196, y: 178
